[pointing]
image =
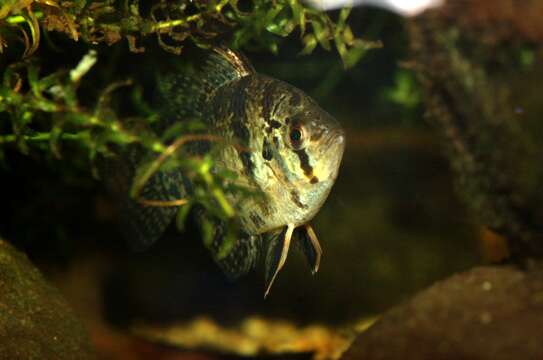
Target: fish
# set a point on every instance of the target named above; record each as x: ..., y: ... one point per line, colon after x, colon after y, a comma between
x: 276, y: 140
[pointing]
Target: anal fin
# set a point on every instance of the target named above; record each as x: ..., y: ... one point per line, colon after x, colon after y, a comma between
x: 235, y: 255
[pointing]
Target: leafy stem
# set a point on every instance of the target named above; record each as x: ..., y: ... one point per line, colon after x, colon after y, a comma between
x: 41, y: 136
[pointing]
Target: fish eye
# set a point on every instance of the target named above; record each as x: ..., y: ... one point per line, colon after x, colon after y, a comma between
x: 296, y: 137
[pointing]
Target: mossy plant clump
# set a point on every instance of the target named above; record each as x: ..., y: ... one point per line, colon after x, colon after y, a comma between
x: 478, y: 81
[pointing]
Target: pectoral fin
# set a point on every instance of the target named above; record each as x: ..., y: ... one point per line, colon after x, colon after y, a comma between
x: 276, y: 255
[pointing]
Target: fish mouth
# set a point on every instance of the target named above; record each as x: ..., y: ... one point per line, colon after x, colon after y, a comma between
x: 333, y: 149
x: 337, y: 136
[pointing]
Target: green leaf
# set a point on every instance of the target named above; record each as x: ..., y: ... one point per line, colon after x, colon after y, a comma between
x: 54, y: 141
x: 33, y: 80
x: 181, y: 216
x: 174, y: 131
x: 208, y: 232
x: 405, y: 92
x: 322, y: 34
x: 298, y: 15
x: 227, y: 244
x: 310, y: 42
x: 343, y: 15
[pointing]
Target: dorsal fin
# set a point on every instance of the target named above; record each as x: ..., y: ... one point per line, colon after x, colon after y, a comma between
x: 239, y: 63
x: 184, y: 91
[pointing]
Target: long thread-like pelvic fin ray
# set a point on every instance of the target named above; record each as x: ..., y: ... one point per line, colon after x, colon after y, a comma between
x: 312, y: 248
x: 277, y: 256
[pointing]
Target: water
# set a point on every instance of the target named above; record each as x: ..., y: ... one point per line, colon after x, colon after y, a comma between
x: 397, y: 219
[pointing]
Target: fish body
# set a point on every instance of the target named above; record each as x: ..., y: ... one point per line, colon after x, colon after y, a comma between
x: 277, y: 141
x: 262, y: 115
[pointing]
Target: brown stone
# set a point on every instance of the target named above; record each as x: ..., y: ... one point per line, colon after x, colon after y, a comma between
x: 35, y: 321
x: 486, y: 313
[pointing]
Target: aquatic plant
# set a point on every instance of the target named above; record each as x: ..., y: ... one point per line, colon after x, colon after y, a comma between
x: 47, y: 110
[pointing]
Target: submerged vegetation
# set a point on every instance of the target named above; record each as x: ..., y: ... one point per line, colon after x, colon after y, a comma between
x: 241, y: 23
x: 45, y: 111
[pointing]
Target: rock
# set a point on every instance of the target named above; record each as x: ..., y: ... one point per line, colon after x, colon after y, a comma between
x: 35, y: 321
x: 485, y: 313
x: 478, y: 97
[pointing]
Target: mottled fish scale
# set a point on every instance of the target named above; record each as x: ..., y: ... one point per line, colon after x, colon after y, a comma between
x: 142, y: 225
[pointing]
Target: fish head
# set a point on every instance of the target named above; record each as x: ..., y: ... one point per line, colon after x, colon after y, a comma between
x: 303, y: 148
